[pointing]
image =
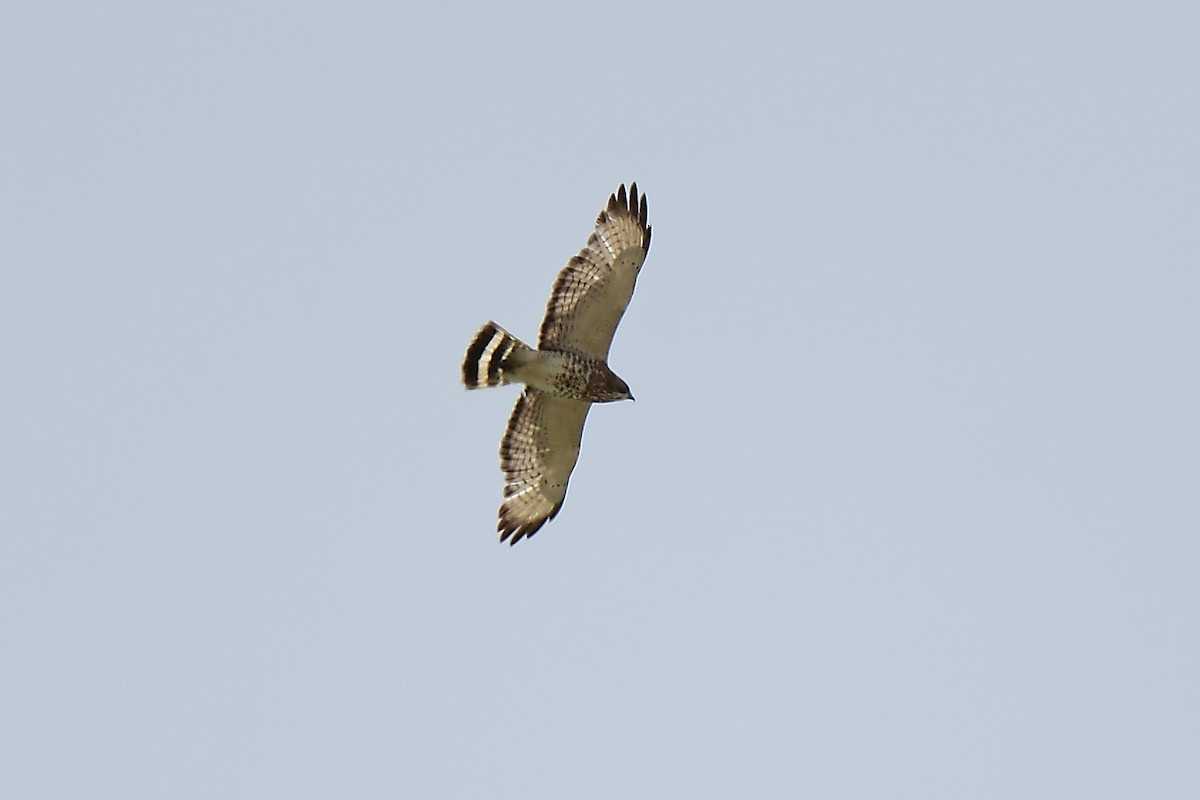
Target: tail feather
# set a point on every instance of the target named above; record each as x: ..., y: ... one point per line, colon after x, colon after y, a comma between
x: 489, y: 355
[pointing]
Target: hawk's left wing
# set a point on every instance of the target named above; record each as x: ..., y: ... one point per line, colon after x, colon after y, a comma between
x: 593, y: 289
x: 538, y: 452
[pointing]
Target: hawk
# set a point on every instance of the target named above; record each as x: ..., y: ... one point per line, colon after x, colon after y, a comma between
x: 568, y: 371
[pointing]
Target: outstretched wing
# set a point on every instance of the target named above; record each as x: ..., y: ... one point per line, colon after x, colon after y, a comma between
x: 537, y: 454
x: 593, y: 289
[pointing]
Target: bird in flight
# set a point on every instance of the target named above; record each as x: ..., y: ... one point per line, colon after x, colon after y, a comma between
x: 568, y: 371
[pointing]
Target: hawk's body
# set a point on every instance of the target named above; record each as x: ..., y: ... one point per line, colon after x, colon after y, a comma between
x: 569, y: 370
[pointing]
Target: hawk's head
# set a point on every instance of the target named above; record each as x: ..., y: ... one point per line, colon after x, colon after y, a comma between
x: 605, y: 386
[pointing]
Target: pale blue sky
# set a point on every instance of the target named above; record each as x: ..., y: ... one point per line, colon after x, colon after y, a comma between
x: 909, y: 503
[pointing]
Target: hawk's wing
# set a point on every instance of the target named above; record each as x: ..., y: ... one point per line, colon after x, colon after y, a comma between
x: 537, y: 454
x: 593, y: 289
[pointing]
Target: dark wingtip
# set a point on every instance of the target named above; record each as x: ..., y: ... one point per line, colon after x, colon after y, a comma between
x: 639, y: 208
x: 519, y: 530
x: 517, y: 533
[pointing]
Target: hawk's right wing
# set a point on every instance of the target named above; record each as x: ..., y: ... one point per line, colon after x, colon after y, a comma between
x: 537, y: 454
x: 594, y: 288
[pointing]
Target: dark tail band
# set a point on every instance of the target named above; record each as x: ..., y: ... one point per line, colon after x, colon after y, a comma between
x: 484, y: 363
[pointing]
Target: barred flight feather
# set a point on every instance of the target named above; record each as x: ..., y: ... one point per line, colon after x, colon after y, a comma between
x: 594, y: 288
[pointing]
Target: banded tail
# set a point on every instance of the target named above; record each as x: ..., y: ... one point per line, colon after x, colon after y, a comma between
x: 493, y: 352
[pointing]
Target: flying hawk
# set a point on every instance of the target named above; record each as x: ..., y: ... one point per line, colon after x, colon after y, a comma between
x: 569, y: 370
